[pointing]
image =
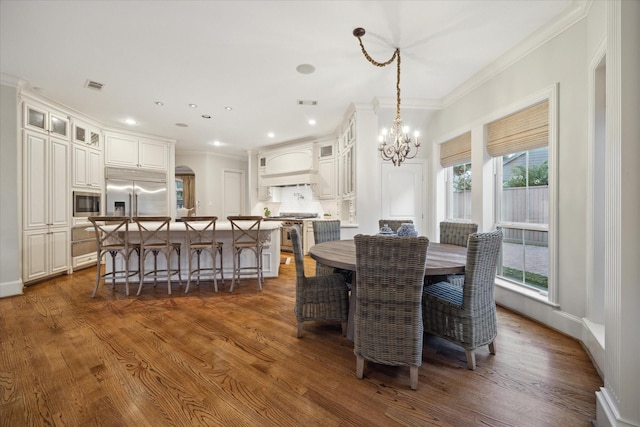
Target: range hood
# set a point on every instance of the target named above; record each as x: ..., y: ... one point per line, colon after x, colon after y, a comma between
x: 291, y: 167
x: 308, y: 177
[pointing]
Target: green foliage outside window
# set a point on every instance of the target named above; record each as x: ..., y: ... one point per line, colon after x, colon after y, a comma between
x: 462, y: 178
x: 538, y: 175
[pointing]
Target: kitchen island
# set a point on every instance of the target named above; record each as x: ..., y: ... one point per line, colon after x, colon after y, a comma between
x: 269, y: 231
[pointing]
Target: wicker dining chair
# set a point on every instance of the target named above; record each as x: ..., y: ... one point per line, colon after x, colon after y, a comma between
x: 325, y: 231
x: 456, y: 233
x: 394, y: 224
x: 388, y: 316
x: 466, y: 315
x: 319, y: 298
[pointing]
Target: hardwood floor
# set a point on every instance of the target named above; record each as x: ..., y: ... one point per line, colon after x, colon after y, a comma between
x: 234, y: 359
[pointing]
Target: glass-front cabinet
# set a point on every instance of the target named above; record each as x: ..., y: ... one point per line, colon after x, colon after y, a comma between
x: 42, y: 120
x: 347, y: 171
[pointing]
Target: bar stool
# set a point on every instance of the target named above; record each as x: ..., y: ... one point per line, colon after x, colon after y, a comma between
x: 201, y: 237
x: 112, y: 237
x: 155, y: 239
x: 245, y: 233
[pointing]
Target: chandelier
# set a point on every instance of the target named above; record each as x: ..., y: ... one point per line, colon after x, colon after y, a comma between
x: 395, y: 144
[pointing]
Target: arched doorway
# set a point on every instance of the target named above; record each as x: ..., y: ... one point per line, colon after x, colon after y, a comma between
x: 185, y: 188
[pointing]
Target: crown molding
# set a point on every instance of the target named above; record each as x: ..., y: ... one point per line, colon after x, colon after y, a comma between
x: 576, y: 12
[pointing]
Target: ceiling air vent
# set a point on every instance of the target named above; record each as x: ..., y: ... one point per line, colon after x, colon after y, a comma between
x: 94, y: 85
x: 307, y: 102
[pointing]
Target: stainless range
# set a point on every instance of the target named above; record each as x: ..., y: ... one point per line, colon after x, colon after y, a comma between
x: 289, y: 220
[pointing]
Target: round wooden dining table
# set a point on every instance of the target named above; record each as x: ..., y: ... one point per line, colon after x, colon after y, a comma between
x: 442, y: 259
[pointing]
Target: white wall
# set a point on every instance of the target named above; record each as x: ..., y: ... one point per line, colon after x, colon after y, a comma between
x: 208, y: 169
x: 565, y: 60
x: 10, y: 282
x: 561, y: 60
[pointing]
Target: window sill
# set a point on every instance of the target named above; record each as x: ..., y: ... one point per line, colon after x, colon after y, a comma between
x: 521, y: 290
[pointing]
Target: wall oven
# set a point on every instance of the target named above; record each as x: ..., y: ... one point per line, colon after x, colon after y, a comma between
x: 86, y: 204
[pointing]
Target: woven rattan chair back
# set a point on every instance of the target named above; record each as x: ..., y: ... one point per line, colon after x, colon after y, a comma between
x: 388, y: 317
x: 319, y: 298
x: 325, y: 231
x: 456, y: 233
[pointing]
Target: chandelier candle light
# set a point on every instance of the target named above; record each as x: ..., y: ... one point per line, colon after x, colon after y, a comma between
x: 395, y: 144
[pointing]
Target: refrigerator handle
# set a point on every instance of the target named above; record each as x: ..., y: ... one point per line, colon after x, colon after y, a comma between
x: 131, y: 214
x: 135, y: 196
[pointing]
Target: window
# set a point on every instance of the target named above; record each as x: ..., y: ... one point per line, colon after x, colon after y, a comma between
x: 455, y: 157
x: 523, y: 214
x: 519, y: 144
x: 458, y: 184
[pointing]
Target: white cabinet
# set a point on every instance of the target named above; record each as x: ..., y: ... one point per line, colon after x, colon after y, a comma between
x: 86, y: 135
x: 45, y: 181
x: 88, y: 169
x: 130, y: 151
x: 308, y: 238
x: 326, y: 173
x: 46, y: 205
x: 42, y: 120
x: 45, y: 252
x: 346, y: 170
x: 346, y: 161
x: 264, y: 191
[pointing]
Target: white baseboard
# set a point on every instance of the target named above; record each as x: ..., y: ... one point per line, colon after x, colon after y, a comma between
x: 9, y: 289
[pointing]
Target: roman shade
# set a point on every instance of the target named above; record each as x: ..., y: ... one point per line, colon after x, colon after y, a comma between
x: 456, y: 151
x: 524, y: 130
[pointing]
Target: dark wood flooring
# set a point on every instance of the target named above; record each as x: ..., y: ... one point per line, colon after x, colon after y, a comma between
x: 233, y: 359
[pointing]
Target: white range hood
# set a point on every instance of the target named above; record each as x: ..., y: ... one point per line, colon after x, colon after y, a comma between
x: 291, y: 167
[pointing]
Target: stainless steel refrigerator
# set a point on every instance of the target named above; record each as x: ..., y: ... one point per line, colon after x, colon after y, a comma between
x: 132, y: 192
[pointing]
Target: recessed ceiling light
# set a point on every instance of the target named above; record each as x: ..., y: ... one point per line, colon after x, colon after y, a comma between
x: 159, y: 103
x: 130, y: 122
x: 182, y: 125
x: 206, y: 116
x: 312, y: 122
x: 216, y: 143
x: 305, y: 68
x: 271, y: 134
x: 193, y: 106
x: 228, y: 108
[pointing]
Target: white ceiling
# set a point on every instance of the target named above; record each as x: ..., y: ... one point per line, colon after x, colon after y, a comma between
x: 244, y: 54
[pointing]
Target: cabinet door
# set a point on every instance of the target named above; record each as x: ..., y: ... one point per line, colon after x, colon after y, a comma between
x: 95, y: 168
x: 121, y: 150
x: 36, y: 118
x: 35, y: 263
x: 59, y: 202
x: 35, y: 183
x: 58, y: 247
x: 80, y: 166
x: 59, y: 126
x: 153, y: 154
x: 326, y: 179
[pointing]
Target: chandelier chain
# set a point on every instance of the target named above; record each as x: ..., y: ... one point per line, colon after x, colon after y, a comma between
x: 395, y: 145
x: 396, y: 54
